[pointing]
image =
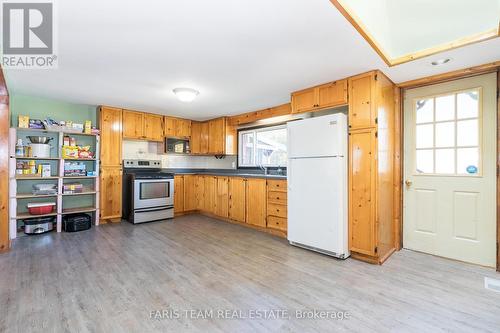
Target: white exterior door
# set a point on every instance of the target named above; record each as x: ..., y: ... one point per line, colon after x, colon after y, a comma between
x: 450, y: 170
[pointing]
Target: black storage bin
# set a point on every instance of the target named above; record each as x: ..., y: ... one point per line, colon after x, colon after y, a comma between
x: 76, y: 222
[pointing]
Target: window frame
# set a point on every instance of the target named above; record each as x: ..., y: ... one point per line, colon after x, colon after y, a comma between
x: 256, y: 129
x: 479, y: 118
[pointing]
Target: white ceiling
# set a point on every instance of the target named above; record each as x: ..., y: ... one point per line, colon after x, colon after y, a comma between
x: 241, y: 55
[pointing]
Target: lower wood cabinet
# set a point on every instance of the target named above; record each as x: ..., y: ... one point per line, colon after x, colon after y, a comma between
x: 362, y: 195
x: 277, y: 209
x: 222, y: 197
x: 237, y: 199
x: 178, y: 194
x: 254, y: 201
x: 209, y: 192
x: 256, y: 191
x: 190, y: 193
x: 111, y: 193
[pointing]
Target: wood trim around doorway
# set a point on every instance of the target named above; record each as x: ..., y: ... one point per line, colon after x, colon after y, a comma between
x: 4, y: 165
x: 498, y: 169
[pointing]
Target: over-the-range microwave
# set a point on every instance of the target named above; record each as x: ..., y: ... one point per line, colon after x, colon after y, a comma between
x: 177, y: 146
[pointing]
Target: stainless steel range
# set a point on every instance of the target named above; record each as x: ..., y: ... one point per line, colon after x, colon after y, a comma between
x: 148, y: 193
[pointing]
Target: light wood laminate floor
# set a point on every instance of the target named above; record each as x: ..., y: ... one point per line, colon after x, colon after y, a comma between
x: 110, y: 278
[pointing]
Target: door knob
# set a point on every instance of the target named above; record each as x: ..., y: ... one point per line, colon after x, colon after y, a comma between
x: 408, y: 183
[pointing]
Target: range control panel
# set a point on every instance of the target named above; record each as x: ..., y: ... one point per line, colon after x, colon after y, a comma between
x: 146, y: 164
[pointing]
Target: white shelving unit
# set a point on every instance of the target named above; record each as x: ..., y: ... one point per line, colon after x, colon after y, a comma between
x: 56, y: 178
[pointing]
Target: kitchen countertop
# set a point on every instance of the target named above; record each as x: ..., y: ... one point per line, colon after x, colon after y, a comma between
x: 225, y: 172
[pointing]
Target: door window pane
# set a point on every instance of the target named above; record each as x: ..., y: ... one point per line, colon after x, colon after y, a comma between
x: 445, y: 161
x: 467, y: 161
x: 467, y: 133
x: 445, y: 108
x: 425, y: 161
x: 425, y: 136
x: 445, y: 134
x: 425, y: 111
x: 468, y: 104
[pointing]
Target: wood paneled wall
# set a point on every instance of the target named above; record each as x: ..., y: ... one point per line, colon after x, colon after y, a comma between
x: 4, y: 165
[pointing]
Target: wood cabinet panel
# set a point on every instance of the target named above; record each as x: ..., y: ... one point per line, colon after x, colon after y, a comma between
x: 222, y: 199
x: 110, y: 192
x: 183, y: 128
x: 256, y: 194
x: 190, y: 193
x: 133, y: 124
x: 200, y: 192
x: 362, y: 169
x: 304, y: 100
x: 153, y: 127
x: 279, y: 198
x: 332, y: 94
x: 277, y: 223
x: 237, y: 199
x: 178, y: 194
x: 195, y: 141
x: 210, y: 194
x: 204, y: 138
x: 177, y: 127
x: 169, y: 126
x: 216, y: 136
x: 110, y: 124
x: 276, y: 210
x: 361, y: 102
x: 277, y: 185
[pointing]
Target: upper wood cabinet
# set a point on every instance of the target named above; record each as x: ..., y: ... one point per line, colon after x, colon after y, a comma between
x: 256, y: 194
x: 324, y: 96
x: 133, y: 124
x: 153, y: 127
x: 142, y: 126
x: 304, y: 100
x: 110, y: 123
x: 213, y: 137
x: 216, y: 136
x: 177, y: 127
x: 361, y: 101
x: 237, y: 199
x: 204, y: 138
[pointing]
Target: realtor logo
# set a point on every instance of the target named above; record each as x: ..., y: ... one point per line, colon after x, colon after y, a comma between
x: 28, y: 34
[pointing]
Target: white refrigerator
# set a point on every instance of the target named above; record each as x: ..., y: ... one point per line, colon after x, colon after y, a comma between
x: 317, y: 184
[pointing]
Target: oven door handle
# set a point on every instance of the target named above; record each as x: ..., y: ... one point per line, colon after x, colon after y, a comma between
x: 144, y: 210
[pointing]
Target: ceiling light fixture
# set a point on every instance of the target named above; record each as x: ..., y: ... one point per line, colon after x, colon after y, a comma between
x: 186, y: 94
x: 440, y: 61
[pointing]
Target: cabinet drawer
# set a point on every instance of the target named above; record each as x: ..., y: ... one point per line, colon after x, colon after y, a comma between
x: 276, y: 185
x: 276, y: 210
x: 277, y: 197
x: 278, y: 223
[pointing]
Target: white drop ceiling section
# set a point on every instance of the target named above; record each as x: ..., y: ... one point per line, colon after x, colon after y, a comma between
x: 403, y: 27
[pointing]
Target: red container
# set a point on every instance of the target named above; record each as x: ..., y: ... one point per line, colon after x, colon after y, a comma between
x: 41, y: 208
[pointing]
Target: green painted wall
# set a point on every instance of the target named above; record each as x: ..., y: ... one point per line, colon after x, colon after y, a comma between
x: 41, y: 108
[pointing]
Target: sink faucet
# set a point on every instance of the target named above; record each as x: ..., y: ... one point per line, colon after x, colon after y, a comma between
x: 263, y: 168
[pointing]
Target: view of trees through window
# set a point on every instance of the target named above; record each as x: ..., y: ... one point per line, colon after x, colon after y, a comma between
x: 263, y: 146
